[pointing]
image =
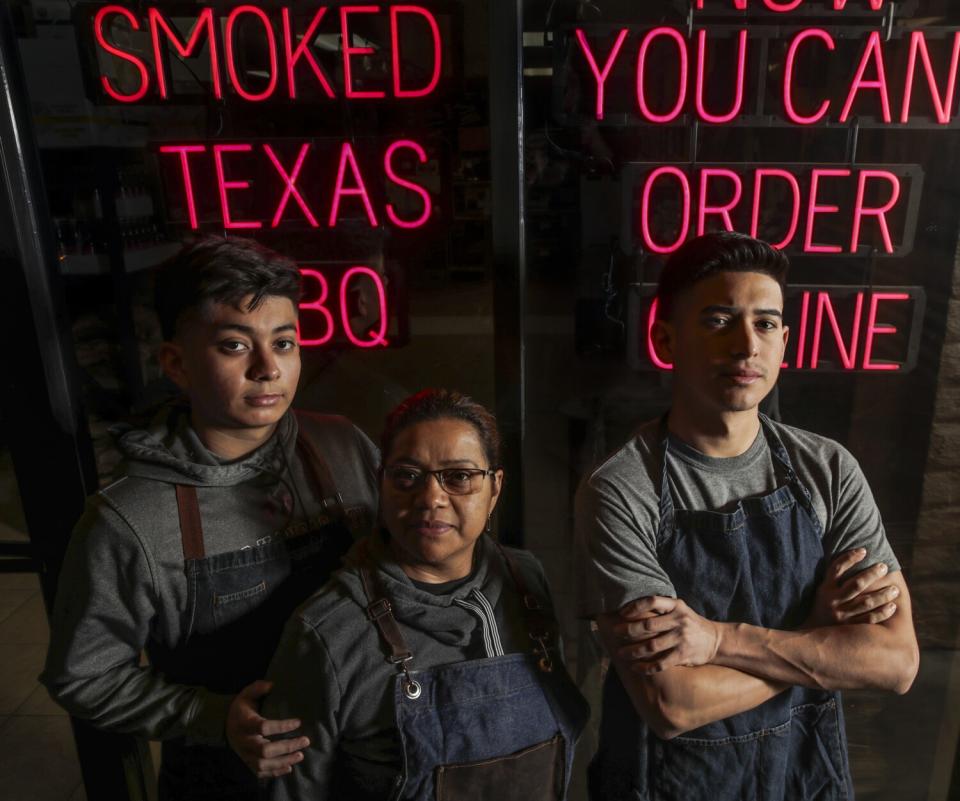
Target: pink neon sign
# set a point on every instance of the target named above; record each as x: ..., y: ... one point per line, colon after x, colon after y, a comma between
x: 359, y: 189
x: 833, y: 337
x: 203, y: 27
x: 773, y: 172
x: 319, y: 306
x: 738, y: 81
x: 723, y: 210
x: 230, y: 38
x: 224, y: 186
x: 275, y: 32
x: 598, y: 74
x: 426, y: 16
x: 294, y: 51
x: 377, y: 339
x: 778, y: 6
x: 675, y: 36
x: 344, y: 183
x: 871, y: 204
x: 646, y: 65
x: 645, y: 215
x: 290, y: 185
x: 100, y: 36
x: 870, y: 86
x: 792, y: 113
x: 872, y: 53
x: 317, y: 310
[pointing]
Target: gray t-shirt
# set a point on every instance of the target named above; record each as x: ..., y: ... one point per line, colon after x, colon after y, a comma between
x: 617, y: 506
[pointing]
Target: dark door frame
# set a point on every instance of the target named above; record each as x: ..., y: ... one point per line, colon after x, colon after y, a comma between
x: 509, y: 251
x: 41, y: 416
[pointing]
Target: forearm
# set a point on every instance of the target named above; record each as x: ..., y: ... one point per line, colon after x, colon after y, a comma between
x: 136, y: 700
x: 681, y: 699
x: 832, y: 657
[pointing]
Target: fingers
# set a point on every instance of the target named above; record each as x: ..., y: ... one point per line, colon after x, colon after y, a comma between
x: 866, y: 602
x: 257, y: 689
x: 268, y: 728
x: 280, y: 748
x: 643, y: 607
x: 272, y: 768
x: 660, y: 663
x: 877, y: 615
x: 644, y: 629
x: 852, y: 587
x: 267, y: 759
x: 846, y: 560
x: 648, y: 649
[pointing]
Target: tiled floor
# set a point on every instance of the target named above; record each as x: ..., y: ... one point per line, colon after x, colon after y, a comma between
x: 38, y: 760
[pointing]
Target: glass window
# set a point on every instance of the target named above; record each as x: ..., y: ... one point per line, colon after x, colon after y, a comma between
x: 647, y: 123
x: 357, y: 141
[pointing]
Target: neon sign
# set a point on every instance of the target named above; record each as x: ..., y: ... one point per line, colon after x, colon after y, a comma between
x: 848, y: 8
x: 249, y: 54
x: 293, y: 65
x: 783, y: 7
x: 909, y: 80
x: 801, y: 208
x: 299, y: 183
x: 832, y: 328
x: 357, y: 313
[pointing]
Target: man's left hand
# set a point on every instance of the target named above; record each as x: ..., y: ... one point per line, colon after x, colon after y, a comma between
x: 845, y: 596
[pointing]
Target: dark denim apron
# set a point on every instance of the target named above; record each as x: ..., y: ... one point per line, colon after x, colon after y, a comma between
x: 238, y: 603
x: 758, y: 564
x: 497, y: 729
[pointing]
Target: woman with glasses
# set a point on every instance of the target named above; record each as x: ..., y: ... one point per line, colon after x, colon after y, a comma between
x: 429, y: 668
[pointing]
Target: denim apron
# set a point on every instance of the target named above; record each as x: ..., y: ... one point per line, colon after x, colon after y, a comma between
x: 501, y: 728
x: 238, y: 603
x: 758, y: 564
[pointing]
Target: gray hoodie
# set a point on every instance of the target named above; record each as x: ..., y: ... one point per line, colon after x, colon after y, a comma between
x: 123, y: 588
x: 331, y: 672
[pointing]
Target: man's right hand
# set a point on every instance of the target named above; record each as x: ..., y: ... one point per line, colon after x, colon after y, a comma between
x: 862, y: 597
x: 247, y: 733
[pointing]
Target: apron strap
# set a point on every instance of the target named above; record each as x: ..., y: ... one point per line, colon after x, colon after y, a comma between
x: 320, y: 472
x: 380, y: 611
x: 780, y: 455
x: 666, y: 507
x: 191, y: 529
x: 538, y: 623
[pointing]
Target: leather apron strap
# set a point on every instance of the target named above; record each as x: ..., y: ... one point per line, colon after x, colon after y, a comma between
x: 188, y: 507
x: 191, y: 529
x: 380, y: 611
x: 535, y: 616
x: 320, y: 472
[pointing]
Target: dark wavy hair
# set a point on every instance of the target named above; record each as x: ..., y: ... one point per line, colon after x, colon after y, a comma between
x: 717, y: 252
x: 443, y: 404
x: 215, y: 269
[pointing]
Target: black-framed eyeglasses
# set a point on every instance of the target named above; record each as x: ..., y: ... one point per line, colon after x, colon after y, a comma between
x: 452, y: 480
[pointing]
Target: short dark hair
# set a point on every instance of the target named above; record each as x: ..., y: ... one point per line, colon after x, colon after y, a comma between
x: 443, y: 404
x: 215, y: 269
x: 716, y: 252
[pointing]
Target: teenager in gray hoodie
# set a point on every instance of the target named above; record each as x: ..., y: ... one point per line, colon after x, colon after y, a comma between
x: 231, y: 511
x: 429, y: 668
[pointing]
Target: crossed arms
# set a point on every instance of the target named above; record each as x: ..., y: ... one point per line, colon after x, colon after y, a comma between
x: 683, y: 671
